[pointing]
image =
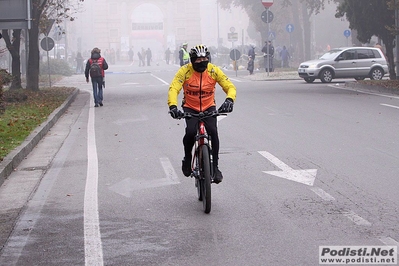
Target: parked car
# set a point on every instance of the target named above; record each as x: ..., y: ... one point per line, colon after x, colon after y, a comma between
x: 347, y: 62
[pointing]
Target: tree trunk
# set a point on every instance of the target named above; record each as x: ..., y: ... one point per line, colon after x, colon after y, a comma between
x: 297, y: 50
x: 390, y: 58
x: 13, y: 47
x: 306, y: 31
x: 32, y: 71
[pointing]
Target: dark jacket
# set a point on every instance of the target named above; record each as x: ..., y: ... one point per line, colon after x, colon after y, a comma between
x: 251, y: 53
x: 271, y: 49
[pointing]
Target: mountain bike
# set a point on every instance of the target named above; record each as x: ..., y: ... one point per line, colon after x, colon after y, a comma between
x: 202, y: 166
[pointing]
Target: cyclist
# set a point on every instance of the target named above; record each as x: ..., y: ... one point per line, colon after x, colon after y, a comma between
x: 198, y: 80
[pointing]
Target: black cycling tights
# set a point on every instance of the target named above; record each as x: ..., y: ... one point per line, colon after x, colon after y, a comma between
x: 191, y: 131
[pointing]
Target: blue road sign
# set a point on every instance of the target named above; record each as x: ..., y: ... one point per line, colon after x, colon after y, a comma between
x: 272, y: 35
x: 347, y: 33
x: 289, y: 28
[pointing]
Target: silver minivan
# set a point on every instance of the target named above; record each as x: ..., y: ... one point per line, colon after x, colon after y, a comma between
x: 348, y: 62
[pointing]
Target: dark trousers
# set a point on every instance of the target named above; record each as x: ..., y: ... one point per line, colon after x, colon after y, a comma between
x: 191, y: 131
x: 97, y: 83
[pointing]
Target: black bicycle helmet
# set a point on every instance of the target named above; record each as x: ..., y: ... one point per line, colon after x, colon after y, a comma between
x: 198, y: 51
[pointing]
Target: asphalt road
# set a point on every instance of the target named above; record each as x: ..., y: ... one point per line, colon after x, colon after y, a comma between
x: 305, y: 165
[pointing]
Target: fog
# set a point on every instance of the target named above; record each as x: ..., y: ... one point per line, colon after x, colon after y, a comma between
x: 117, y: 26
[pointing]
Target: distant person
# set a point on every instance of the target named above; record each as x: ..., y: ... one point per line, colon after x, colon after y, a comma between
x: 140, y: 59
x: 130, y: 54
x: 184, y: 56
x: 268, y: 51
x: 149, y: 56
x: 251, y: 59
x: 79, y: 63
x: 285, y: 56
x: 167, y: 55
x: 143, y: 55
x: 95, y: 67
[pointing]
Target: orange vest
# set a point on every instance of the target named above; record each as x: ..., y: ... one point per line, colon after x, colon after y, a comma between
x: 199, y: 91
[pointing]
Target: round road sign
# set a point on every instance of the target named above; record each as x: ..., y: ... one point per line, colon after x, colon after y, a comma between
x: 289, y: 28
x: 267, y: 16
x: 47, y: 44
x: 235, y: 54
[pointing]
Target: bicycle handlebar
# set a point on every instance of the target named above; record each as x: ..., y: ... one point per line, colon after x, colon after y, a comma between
x: 200, y: 115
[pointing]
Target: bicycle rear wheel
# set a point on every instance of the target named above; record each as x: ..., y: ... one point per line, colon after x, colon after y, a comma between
x: 205, y: 180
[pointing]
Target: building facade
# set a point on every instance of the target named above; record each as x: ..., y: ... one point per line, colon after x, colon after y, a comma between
x: 120, y: 25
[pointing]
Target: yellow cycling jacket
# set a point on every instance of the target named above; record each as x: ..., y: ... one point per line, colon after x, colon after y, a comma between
x: 199, y: 88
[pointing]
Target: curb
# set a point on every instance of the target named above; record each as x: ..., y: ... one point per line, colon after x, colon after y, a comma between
x: 14, y: 158
x: 370, y: 88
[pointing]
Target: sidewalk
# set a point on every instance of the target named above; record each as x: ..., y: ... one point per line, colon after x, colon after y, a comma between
x: 15, y: 157
x: 278, y: 75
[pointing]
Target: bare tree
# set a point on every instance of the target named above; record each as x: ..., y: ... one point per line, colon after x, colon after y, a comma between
x: 42, y: 10
x: 13, y: 45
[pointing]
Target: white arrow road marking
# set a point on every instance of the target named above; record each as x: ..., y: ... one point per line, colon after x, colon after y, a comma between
x: 126, y: 186
x: 304, y: 176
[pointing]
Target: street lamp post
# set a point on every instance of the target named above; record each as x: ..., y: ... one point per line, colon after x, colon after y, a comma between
x: 397, y: 39
x: 217, y: 17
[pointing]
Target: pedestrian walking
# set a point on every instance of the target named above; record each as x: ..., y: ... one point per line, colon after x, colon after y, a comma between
x: 95, y: 67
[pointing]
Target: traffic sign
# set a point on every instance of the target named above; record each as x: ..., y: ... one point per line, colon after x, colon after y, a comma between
x: 347, y: 33
x: 232, y: 37
x: 289, y: 28
x: 47, y: 44
x: 272, y: 35
x: 48, y: 25
x: 235, y: 54
x: 267, y: 16
x: 57, y: 36
x: 267, y: 3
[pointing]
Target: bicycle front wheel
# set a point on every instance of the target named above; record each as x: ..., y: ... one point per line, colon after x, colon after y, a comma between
x: 205, y: 172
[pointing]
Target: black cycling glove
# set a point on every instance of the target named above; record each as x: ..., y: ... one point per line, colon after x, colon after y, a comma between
x: 174, y: 112
x: 227, y: 106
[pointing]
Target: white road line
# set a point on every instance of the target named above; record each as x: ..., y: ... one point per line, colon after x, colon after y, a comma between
x: 356, y: 218
x: 92, y: 235
x: 388, y: 105
x: 389, y: 241
x: 169, y: 170
x: 163, y: 81
x: 322, y: 194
